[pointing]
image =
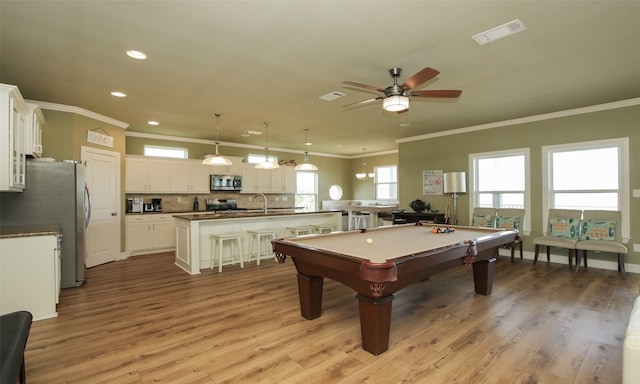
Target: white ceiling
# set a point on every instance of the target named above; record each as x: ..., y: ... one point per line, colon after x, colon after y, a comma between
x: 256, y: 61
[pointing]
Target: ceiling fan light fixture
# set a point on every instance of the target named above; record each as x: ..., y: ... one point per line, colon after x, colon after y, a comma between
x: 395, y: 103
x: 216, y: 160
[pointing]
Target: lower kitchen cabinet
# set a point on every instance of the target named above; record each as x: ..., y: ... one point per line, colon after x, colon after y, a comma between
x: 30, y: 275
x: 150, y: 233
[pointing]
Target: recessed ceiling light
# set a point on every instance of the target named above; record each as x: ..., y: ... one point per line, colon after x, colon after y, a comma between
x: 499, y: 32
x: 153, y: 123
x: 405, y: 124
x: 118, y: 94
x: 136, y: 54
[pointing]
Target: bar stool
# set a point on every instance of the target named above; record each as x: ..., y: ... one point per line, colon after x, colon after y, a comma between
x: 301, y: 230
x: 260, y: 237
x: 324, y: 228
x: 360, y: 221
x: 217, y: 241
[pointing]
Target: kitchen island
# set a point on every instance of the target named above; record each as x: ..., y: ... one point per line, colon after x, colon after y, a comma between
x: 193, y: 243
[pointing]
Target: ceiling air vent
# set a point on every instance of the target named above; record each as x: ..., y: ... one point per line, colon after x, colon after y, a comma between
x: 499, y: 32
x: 332, y: 96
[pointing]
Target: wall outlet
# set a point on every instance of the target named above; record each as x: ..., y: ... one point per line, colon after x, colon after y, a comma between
x: 179, y: 199
x: 251, y: 199
x: 285, y: 198
x: 636, y: 247
x: 277, y: 198
x: 636, y: 193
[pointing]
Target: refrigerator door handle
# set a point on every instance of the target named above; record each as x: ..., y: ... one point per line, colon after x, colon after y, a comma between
x: 87, y: 213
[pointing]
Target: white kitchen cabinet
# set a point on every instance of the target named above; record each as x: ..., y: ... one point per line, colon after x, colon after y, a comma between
x: 147, y: 175
x: 190, y: 176
x: 33, y: 131
x: 228, y: 170
x: 12, y: 127
x: 279, y: 180
x: 148, y: 233
x: 30, y: 275
x: 283, y: 180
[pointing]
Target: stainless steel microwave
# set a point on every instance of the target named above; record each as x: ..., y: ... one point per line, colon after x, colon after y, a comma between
x: 226, y: 183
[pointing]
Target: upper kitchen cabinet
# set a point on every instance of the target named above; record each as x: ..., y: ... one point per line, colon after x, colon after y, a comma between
x: 279, y: 180
x: 147, y: 175
x: 33, y: 131
x: 234, y: 169
x: 12, y: 128
x: 190, y: 176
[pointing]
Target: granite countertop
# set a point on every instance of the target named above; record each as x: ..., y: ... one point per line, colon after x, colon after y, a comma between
x: 246, y: 214
x: 12, y: 231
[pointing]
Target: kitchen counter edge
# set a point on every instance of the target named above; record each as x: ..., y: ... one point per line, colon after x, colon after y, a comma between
x: 240, y: 215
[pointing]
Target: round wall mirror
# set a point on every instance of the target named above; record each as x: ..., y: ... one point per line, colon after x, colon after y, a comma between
x: 335, y: 192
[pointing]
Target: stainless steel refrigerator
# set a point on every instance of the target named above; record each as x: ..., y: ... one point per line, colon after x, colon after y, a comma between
x: 55, y: 193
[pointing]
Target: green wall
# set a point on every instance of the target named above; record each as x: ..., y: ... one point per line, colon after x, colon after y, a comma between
x: 451, y: 153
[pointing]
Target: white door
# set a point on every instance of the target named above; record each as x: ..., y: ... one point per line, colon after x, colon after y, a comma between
x: 102, y: 175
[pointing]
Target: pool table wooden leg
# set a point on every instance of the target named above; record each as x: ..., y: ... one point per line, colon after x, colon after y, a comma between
x: 483, y: 275
x: 375, y: 322
x: 310, y: 293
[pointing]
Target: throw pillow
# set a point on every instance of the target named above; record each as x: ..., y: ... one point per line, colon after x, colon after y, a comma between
x: 598, y: 230
x: 559, y: 227
x: 508, y: 222
x: 482, y: 220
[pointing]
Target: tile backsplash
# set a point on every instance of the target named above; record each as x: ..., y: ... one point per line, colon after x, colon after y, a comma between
x: 184, y: 203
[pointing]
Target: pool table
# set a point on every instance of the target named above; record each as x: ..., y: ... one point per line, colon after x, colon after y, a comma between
x: 378, y: 262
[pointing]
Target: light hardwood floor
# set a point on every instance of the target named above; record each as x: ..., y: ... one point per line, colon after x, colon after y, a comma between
x: 143, y: 320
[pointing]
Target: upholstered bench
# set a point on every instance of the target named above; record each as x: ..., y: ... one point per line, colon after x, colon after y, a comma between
x: 631, y: 347
x: 14, y: 331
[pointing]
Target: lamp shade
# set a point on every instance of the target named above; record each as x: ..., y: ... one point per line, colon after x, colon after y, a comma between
x: 455, y: 182
x: 395, y: 103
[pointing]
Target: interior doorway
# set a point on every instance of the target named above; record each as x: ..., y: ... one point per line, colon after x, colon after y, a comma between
x: 103, y: 234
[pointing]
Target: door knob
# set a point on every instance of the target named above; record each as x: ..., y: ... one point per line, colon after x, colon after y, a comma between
x: 114, y: 213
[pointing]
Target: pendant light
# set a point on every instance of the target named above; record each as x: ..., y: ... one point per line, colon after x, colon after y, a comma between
x: 306, y: 165
x: 217, y: 159
x: 266, y: 164
x: 364, y: 175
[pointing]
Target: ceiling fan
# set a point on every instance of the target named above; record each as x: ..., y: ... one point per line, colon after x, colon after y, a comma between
x: 396, y: 97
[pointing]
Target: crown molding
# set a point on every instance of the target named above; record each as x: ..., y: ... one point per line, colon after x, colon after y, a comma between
x: 528, y: 119
x: 79, y: 111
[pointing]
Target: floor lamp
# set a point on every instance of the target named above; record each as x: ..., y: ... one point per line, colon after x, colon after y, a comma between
x: 454, y: 183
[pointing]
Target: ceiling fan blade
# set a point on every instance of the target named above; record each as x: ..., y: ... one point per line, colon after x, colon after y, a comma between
x: 443, y: 93
x: 421, y: 77
x: 371, y: 87
x: 363, y: 102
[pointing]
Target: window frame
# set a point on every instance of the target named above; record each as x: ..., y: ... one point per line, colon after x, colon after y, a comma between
x: 376, y: 183
x: 624, y: 202
x: 315, y: 194
x: 473, y: 180
x: 185, y: 151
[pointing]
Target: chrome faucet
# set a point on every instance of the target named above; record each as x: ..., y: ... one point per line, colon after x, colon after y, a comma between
x: 265, y: 201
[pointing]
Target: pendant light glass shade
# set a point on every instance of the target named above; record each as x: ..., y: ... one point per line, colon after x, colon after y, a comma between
x: 216, y: 159
x: 364, y: 175
x: 266, y: 164
x: 306, y: 165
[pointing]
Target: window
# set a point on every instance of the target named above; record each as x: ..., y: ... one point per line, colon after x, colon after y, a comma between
x: 589, y: 175
x: 306, y: 190
x: 155, y: 150
x: 500, y: 180
x: 252, y: 158
x: 386, y: 181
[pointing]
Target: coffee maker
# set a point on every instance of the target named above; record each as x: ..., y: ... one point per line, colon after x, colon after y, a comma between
x: 156, y: 204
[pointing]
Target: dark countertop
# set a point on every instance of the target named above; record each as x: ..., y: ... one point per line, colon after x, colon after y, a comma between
x: 13, y: 231
x: 246, y: 214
